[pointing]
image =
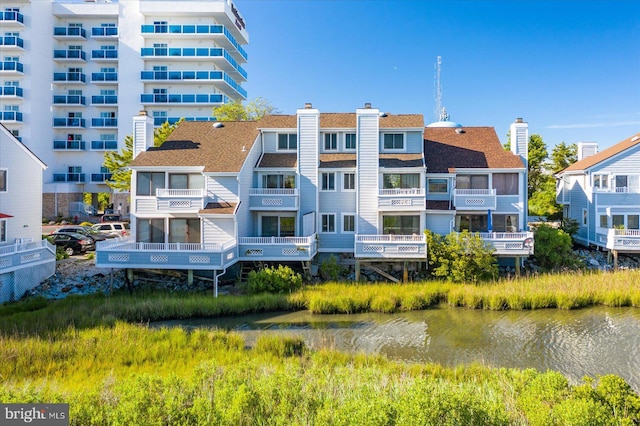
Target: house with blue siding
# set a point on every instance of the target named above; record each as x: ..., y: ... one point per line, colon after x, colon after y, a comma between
x: 288, y: 188
x: 601, y: 192
x: 25, y: 258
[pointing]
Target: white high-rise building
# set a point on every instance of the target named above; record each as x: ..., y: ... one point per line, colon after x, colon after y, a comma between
x: 73, y: 72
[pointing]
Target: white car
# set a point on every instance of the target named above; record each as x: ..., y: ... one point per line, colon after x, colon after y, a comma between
x: 119, y: 229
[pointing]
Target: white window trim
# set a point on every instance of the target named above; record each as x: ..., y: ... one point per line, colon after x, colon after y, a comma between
x: 335, y: 187
x: 324, y: 142
x: 345, y: 141
x: 288, y: 142
x: 447, y: 181
x: 342, y: 222
x: 335, y: 226
x: 344, y: 180
x: 585, y: 217
x: 6, y: 180
x: 404, y: 142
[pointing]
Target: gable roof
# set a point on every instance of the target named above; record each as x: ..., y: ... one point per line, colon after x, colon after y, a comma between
x: 342, y: 120
x: 22, y: 146
x: 447, y: 149
x: 592, y: 160
x: 199, y: 143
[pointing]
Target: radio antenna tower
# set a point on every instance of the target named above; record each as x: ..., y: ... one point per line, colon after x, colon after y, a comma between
x: 441, y: 112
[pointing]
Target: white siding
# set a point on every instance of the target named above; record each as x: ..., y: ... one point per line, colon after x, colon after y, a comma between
x: 367, y: 176
x: 217, y: 230
x: 245, y: 183
x: 221, y: 188
x: 308, y: 134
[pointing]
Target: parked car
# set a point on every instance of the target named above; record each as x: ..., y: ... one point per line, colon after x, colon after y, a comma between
x: 84, y: 230
x: 116, y: 229
x: 73, y: 243
x: 111, y: 217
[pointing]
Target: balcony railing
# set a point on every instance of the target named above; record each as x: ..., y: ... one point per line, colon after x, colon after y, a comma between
x: 11, y: 41
x: 273, y: 199
x: 69, y: 177
x: 199, y: 30
x: 69, y: 122
x: 70, y: 55
x: 104, y: 100
x: 193, y: 77
x: 401, y: 199
x: 228, y: 63
x: 104, y: 145
x: 618, y: 190
x: 70, y: 32
x: 181, y: 98
x: 126, y: 253
x: 9, y: 17
x: 69, y: 100
x: 69, y: 77
x: 11, y: 116
x: 277, y: 248
x: 159, y: 121
x: 474, y: 199
x: 69, y: 145
x: 108, y: 32
x: 104, y: 77
x: 510, y: 243
x: 104, y: 122
x: 624, y: 240
x: 28, y: 254
x: 104, y: 54
x: 11, y: 91
x: 391, y: 246
x: 11, y: 67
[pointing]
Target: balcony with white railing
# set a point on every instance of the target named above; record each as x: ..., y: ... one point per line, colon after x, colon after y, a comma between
x: 269, y: 249
x: 401, y: 199
x: 509, y: 243
x: 391, y: 247
x: 623, y: 240
x: 273, y: 199
x: 20, y: 255
x: 127, y: 253
x: 474, y: 199
x: 171, y: 201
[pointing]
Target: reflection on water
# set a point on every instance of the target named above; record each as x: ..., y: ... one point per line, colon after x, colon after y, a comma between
x: 591, y: 342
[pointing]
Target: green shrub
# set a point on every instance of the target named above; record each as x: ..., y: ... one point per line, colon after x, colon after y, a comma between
x: 553, y: 249
x: 274, y: 280
x: 330, y: 269
x: 460, y: 257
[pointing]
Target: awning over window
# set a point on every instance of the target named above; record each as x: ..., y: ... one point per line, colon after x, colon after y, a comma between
x: 4, y: 216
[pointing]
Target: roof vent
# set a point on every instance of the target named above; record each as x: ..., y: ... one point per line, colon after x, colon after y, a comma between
x: 519, y: 120
x: 460, y: 131
x: 218, y: 124
x: 307, y: 105
x: 382, y: 114
x: 635, y: 138
x: 142, y: 112
x: 367, y: 105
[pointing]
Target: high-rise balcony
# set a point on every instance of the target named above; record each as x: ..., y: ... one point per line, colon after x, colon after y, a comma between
x: 181, y: 98
x: 104, y: 33
x: 104, y: 55
x: 104, y: 145
x: 102, y: 100
x: 74, y: 55
x: 391, y: 247
x: 474, y: 199
x: 69, y: 77
x: 69, y: 33
x: 69, y: 177
x: 11, y: 19
x: 273, y: 199
x: 11, y: 43
x: 159, y: 121
x: 219, y: 79
x: 69, y: 145
x: 10, y: 68
x: 69, y: 122
x: 401, y: 199
x: 11, y: 116
x: 69, y: 100
x: 104, y: 77
x: 219, y: 33
x: 218, y: 55
x: 11, y: 92
x: 103, y: 122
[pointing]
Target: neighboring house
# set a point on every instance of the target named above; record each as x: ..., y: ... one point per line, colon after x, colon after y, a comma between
x: 602, y: 193
x: 288, y: 187
x: 25, y: 258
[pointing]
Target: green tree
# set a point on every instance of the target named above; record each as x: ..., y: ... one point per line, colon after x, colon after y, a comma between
x: 118, y: 162
x: 553, y: 249
x: 537, y: 158
x: 236, y: 111
x: 562, y: 156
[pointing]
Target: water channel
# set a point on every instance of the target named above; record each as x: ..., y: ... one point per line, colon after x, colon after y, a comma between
x: 593, y: 341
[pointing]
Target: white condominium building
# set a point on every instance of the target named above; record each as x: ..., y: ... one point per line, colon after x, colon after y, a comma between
x: 72, y: 73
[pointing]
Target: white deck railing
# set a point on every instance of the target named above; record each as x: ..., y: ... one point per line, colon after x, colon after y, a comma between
x: 274, y: 191
x: 474, y: 191
x: 276, y: 240
x: 402, y: 191
x: 389, y: 238
x: 167, y: 192
x: 20, y: 247
x: 127, y: 244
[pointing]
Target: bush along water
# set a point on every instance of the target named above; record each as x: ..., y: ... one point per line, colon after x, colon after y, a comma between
x: 280, y: 279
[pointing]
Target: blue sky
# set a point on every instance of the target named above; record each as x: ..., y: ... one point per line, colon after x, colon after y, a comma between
x: 571, y: 69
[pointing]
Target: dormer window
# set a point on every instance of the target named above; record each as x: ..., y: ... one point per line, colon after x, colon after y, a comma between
x: 393, y: 141
x: 287, y: 141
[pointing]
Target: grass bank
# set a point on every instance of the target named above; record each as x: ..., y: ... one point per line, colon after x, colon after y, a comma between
x: 130, y: 375
x: 564, y: 291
